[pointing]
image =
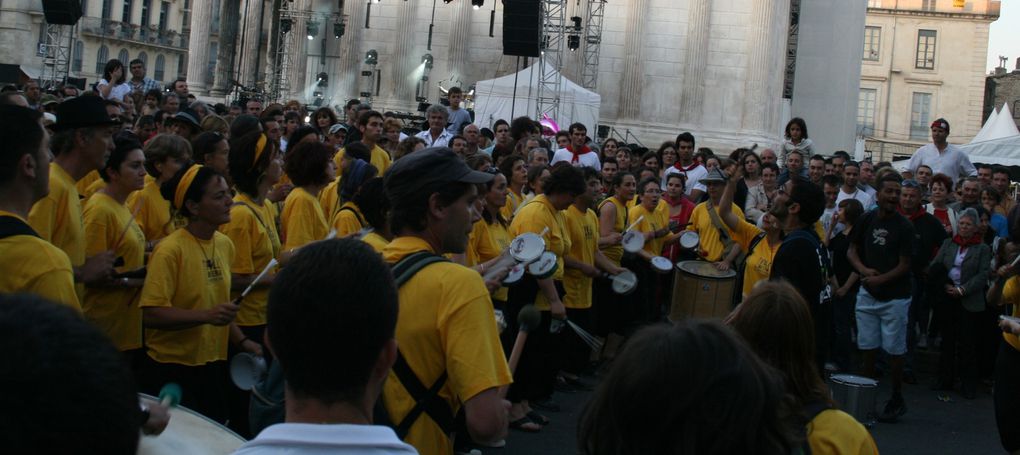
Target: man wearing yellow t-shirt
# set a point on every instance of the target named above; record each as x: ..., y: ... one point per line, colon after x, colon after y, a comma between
x: 83, y: 141
x: 371, y: 125
x: 446, y: 324
x: 30, y: 264
x: 714, y: 246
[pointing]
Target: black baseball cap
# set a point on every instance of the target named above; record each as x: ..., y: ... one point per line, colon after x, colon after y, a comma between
x: 83, y: 112
x: 424, y: 168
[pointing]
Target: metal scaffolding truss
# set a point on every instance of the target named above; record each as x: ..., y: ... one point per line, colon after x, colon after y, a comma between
x: 553, y: 33
x: 279, y: 84
x: 56, y: 54
x: 791, y: 49
x: 592, y: 43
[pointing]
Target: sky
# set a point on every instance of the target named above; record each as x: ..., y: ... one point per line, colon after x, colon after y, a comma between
x: 1004, y: 36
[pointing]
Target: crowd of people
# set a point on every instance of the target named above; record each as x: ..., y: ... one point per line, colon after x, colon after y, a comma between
x: 187, y: 234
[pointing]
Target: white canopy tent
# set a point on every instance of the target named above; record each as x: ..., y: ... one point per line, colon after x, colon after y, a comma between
x: 495, y: 99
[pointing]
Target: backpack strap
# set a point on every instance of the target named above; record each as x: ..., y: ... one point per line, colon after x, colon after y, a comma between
x: 11, y: 226
x: 356, y: 215
x: 724, y: 235
x: 426, y: 399
x: 754, y: 242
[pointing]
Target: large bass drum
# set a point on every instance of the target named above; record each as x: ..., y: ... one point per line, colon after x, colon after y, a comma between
x: 702, y: 291
x: 188, y: 433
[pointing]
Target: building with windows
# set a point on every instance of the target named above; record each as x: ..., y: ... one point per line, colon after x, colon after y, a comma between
x: 922, y: 60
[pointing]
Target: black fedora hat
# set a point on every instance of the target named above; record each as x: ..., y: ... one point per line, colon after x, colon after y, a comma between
x: 83, y: 112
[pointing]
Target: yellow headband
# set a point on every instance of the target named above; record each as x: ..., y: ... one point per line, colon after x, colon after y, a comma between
x: 184, y: 184
x: 260, y: 147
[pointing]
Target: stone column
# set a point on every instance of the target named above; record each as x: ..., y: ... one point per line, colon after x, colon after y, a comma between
x: 460, y: 38
x: 631, y: 81
x: 404, y: 60
x: 230, y: 15
x: 198, y: 54
x: 346, y: 69
x: 252, y: 34
x: 692, y: 95
x: 299, y: 55
x: 760, y: 110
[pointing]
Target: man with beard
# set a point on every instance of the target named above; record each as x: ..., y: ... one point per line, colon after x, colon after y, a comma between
x: 850, y: 190
x: 880, y: 250
x: 692, y: 170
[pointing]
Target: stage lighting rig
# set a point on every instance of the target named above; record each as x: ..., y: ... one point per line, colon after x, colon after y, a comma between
x: 371, y: 57
x: 338, y: 29
x: 476, y: 4
x: 285, y: 25
x: 313, y: 29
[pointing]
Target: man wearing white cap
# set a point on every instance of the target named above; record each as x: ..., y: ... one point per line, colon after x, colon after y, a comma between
x: 941, y: 156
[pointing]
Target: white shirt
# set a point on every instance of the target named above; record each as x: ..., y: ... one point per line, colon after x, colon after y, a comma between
x: 590, y: 159
x: 118, y: 91
x: 952, y: 162
x: 442, y: 141
x: 693, y: 174
x: 866, y: 200
x: 312, y: 439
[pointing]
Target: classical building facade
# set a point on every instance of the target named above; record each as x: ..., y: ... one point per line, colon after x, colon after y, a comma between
x: 922, y: 60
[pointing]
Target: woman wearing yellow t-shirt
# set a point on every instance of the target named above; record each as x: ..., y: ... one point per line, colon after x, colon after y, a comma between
x: 186, y: 306
x: 776, y: 323
x: 766, y: 241
x: 310, y: 168
x: 349, y: 219
x: 612, y: 307
x: 165, y: 155
x: 489, y: 238
x: 113, y: 305
x: 654, y: 224
x: 516, y: 174
x: 375, y: 207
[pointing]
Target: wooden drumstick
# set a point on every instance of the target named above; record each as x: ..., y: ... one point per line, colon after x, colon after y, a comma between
x: 528, y: 319
x: 170, y: 395
x: 272, y: 263
x: 635, y: 223
x: 127, y: 226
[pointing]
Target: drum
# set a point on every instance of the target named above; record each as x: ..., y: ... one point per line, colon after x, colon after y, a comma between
x: 515, y: 275
x: 527, y: 247
x: 702, y: 291
x: 544, y: 267
x: 246, y: 370
x: 855, y: 396
x: 624, y: 283
x: 633, y: 241
x: 189, y: 432
x: 689, y: 240
x: 661, y: 264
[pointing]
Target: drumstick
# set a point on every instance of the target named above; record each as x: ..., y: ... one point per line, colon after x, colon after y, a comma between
x: 123, y: 232
x: 170, y: 395
x: 544, y: 232
x: 528, y: 319
x: 331, y: 235
x: 588, y: 338
x: 1015, y: 261
x: 635, y: 223
x: 270, y: 265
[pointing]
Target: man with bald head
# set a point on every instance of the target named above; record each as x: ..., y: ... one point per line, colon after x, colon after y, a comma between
x: 769, y: 156
x: 472, y: 135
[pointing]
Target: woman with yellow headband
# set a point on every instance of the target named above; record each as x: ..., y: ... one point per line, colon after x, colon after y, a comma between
x: 186, y: 306
x: 165, y: 155
x: 310, y: 168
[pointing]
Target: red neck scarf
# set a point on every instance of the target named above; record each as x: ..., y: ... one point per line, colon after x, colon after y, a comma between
x: 681, y: 167
x: 672, y: 202
x: 964, y: 243
x: 577, y: 155
x: 912, y: 216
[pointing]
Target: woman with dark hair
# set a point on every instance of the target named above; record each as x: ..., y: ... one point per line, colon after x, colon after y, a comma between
x: 489, y: 237
x: 310, y: 167
x: 797, y: 139
x: 776, y: 323
x: 625, y: 159
x: 113, y: 85
x: 408, y: 146
x: 990, y: 198
x: 113, y: 305
x: 653, y: 222
x: 847, y: 282
x: 165, y: 154
x: 375, y: 207
x: 650, y: 160
x: 333, y: 195
x: 691, y: 388
x: 612, y: 213
x: 536, y: 179
x: 941, y: 188
x: 516, y: 173
x: 186, y: 305
x: 348, y: 219
x: 667, y: 157
x: 322, y: 119
x: 304, y: 133
x: 609, y: 146
x: 680, y: 209
x: 213, y: 150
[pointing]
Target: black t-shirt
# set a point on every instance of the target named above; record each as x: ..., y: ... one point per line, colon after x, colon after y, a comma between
x: 929, y: 234
x: 797, y: 262
x: 838, y: 246
x: 880, y: 244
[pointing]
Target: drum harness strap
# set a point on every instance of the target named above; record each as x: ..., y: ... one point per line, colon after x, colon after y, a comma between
x: 356, y: 215
x: 426, y: 400
x: 728, y: 243
x: 11, y: 226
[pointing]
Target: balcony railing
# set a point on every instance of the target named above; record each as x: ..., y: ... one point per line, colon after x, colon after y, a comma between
x: 134, y: 33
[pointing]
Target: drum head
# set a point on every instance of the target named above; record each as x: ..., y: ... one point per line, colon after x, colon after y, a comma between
x: 854, y: 380
x: 515, y: 275
x: 246, y: 370
x: 544, y: 267
x: 633, y: 241
x: 704, y: 269
x: 661, y: 264
x: 625, y: 282
x: 189, y: 432
x: 527, y: 247
x: 689, y: 240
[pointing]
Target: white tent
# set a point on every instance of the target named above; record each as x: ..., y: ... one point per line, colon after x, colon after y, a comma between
x: 987, y: 127
x: 495, y: 99
x: 998, y: 142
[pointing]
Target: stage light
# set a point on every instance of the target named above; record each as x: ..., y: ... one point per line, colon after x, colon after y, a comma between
x: 285, y: 25
x: 338, y: 29
x: 477, y: 3
x: 322, y: 79
x: 577, y: 22
x: 427, y: 60
x: 371, y: 57
x: 313, y: 29
x: 573, y: 42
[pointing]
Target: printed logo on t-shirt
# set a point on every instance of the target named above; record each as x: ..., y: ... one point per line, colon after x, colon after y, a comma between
x: 878, y: 236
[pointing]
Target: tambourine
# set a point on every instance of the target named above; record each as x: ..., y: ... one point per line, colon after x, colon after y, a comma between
x: 544, y: 267
x: 515, y: 275
x: 527, y: 247
x: 633, y: 241
x: 661, y: 264
x: 689, y: 240
x: 623, y: 283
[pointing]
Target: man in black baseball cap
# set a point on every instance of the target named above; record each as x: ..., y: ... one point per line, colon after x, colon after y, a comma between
x: 184, y: 124
x: 432, y: 195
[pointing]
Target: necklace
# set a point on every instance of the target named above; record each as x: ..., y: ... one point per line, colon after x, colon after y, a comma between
x: 212, y: 270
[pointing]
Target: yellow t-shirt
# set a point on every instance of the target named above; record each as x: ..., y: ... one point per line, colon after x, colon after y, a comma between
x: 446, y: 323
x: 57, y: 219
x: 153, y: 211
x: 180, y: 276
x: 302, y: 221
x: 534, y: 217
x: 711, y: 243
x: 252, y: 230
x: 583, y: 230
x: 114, y: 309
x: 487, y: 242
x: 376, y: 241
x: 1011, y: 296
x: 654, y: 221
x: 380, y: 159
x: 834, y: 432
x: 329, y: 199
x: 92, y: 189
x: 348, y: 220
x: 83, y: 184
x: 758, y: 265
x: 33, y: 265
x: 513, y: 202
x: 615, y: 252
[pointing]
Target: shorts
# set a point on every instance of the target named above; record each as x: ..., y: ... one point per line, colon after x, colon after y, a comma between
x: 882, y: 323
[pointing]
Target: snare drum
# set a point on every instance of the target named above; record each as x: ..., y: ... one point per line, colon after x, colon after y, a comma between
x: 633, y: 241
x: 855, y: 396
x: 702, y: 291
x: 624, y: 283
x: 544, y: 267
x: 189, y: 432
x: 515, y: 275
x: 689, y: 240
x: 661, y: 264
x: 527, y: 247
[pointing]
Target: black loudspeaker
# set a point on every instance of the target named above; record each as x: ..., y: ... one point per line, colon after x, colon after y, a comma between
x: 77, y: 82
x: 62, y: 12
x: 522, y: 27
